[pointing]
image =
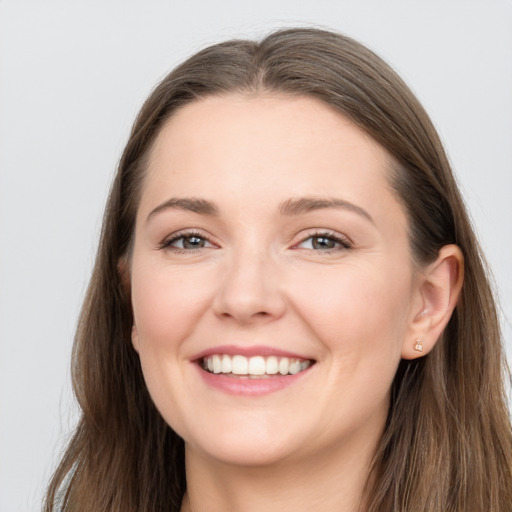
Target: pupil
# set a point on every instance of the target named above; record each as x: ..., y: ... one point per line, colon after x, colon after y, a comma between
x: 193, y: 242
x: 322, y: 242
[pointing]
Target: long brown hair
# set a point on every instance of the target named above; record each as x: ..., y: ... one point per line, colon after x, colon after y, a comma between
x: 447, y: 445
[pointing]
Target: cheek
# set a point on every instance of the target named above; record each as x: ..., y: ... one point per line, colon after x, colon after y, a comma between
x: 359, y: 316
x: 357, y: 311
x: 167, y: 306
x: 167, y: 303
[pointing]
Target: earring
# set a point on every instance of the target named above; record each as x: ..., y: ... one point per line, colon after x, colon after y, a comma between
x: 419, y: 345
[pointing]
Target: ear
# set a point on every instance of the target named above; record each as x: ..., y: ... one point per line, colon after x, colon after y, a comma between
x: 124, y: 277
x: 135, y: 338
x: 438, y: 290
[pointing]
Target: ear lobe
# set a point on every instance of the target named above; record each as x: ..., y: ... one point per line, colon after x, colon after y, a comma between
x: 135, y: 338
x: 124, y: 277
x: 439, y: 290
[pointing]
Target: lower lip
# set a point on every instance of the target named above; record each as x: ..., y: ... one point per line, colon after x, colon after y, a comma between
x: 245, y: 386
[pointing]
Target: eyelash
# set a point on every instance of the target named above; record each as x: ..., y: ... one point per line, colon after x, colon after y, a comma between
x: 344, y: 243
x: 167, y: 244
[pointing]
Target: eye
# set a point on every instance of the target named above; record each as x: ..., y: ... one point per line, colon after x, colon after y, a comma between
x: 187, y: 242
x: 327, y: 242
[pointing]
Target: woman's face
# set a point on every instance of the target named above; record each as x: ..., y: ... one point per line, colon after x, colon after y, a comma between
x: 268, y: 240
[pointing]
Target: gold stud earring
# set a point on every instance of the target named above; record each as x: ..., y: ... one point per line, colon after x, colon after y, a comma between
x: 419, y: 345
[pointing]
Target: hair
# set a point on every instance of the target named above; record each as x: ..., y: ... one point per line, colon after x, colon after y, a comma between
x: 447, y: 443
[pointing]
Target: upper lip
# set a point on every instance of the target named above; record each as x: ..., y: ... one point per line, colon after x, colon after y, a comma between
x: 248, y: 351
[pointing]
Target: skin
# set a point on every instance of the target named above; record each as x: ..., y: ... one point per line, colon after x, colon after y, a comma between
x: 355, y: 307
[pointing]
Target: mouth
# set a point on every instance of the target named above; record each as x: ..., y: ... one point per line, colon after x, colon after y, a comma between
x: 255, y: 367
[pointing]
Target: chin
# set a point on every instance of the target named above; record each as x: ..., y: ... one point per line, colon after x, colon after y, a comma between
x: 254, y: 443
x: 244, y: 454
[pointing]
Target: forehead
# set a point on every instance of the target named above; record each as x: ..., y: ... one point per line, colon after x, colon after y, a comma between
x: 265, y: 146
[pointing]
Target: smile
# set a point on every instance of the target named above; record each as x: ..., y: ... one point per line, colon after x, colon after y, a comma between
x: 256, y: 367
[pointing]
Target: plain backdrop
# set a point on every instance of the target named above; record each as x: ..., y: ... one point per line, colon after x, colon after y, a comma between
x: 72, y: 77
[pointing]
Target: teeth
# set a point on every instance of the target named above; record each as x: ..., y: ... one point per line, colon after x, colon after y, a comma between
x: 216, y: 364
x: 240, y: 365
x: 272, y: 366
x: 257, y: 366
x: 226, y: 364
x: 254, y: 367
x: 294, y: 367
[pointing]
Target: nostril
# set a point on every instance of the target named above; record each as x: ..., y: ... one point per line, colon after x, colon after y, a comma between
x: 245, y: 315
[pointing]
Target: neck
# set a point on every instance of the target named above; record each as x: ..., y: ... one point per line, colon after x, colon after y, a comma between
x: 333, y: 481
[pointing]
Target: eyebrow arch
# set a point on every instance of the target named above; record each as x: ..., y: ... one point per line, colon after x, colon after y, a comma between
x: 309, y: 204
x: 191, y: 204
x: 289, y: 207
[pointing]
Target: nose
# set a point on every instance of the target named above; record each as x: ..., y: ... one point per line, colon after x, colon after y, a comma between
x: 250, y: 290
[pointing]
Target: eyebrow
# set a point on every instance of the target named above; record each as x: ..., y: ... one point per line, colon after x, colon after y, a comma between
x: 191, y: 204
x: 309, y: 204
x: 290, y: 207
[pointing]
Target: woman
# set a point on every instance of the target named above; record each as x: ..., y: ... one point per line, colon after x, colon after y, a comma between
x: 289, y: 309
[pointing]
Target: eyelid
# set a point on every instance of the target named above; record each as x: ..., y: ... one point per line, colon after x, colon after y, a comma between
x: 185, y: 233
x: 343, y: 240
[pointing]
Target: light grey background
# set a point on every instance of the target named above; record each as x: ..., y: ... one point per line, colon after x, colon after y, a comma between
x: 72, y: 76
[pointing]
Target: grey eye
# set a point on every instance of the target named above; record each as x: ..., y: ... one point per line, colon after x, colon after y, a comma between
x: 193, y: 242
x: 188, y: 242
x: 322, y: 243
